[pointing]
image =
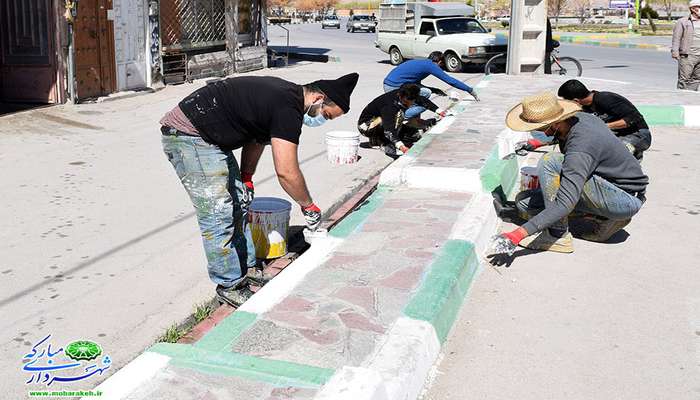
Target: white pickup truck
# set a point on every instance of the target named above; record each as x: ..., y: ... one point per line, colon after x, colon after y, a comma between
x: 414, y: 30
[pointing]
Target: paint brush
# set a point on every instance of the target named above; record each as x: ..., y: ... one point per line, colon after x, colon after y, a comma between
x: 310, y: 236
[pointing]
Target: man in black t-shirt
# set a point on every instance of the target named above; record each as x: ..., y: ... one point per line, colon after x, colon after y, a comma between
x: 382, y: 121
x: 199, y: 135
x: 621, y: 116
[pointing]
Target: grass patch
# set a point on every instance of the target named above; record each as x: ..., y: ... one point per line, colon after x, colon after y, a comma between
x: 176, y: 331
x: 171, y: 335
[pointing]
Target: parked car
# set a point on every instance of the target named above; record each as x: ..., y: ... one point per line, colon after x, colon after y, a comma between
x: 330, y: 21
x: 445, y: 27
x: 361, y: 23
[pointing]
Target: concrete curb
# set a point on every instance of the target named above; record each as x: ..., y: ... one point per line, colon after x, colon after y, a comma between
x: 400, y: 363
x: 601, y: 41
x: 686, y: 116
x: 605, y: 43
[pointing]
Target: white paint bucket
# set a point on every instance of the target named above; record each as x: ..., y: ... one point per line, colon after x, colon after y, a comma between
x: 529, y: 178
x: 269, y: 218
x: 342, y: 147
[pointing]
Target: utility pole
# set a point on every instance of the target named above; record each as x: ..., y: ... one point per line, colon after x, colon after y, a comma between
x: 526, y: 41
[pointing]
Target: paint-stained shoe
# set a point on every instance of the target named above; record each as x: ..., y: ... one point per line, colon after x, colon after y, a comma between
x: 258, y: 276
x: 234, y: 296
x: 604, y: 229
x: 546, y: 242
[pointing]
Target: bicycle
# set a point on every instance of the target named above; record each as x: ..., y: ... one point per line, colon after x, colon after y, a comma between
x: 560, y: 65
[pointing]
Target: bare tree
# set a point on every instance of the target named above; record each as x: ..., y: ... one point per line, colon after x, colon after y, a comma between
x: 667, y: 5
x: 581, y: 8
x: 555, y: 8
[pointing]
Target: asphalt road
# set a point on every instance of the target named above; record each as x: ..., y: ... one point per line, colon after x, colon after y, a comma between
x: 628, y: 65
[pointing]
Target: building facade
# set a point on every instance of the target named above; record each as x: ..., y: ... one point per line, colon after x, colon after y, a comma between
x: 53, y: 51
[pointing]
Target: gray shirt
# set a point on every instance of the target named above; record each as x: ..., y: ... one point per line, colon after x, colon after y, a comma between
x: 589, y: 149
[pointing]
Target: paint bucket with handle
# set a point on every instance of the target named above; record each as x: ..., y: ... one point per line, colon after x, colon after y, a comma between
x: 529, y: 179
x: 342, y: 147
x: 269, y: 218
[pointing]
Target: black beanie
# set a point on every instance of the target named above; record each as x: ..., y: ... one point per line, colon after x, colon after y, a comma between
x: 339, y: 90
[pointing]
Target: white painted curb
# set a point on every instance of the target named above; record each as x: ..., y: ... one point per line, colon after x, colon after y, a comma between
x: 692, y: 116
x: 277, y: 289
x: 395, y: 371
x: 131, y: 376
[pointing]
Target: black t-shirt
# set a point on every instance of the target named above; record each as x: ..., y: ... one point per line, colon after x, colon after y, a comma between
x: 388, y: 107
x: 612, y: 107
x: 235, y: 111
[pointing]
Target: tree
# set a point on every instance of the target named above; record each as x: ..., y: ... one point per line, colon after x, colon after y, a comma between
x: 555, y: 8
x: 667, y: 5
x: 581, y: 8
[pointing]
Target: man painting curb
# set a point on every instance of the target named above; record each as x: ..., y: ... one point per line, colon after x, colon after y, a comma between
x: 414, y: 71
x: 621, y: 116
x: 686, y: 48
x: 201, y: 132
x: 593, y: 174
x: 382, y: 120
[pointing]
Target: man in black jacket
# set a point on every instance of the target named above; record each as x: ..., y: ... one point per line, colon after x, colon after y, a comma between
x: 383, y: 121
x: 621, y: 116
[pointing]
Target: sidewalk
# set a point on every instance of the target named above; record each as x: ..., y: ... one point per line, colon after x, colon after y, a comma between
x: 98, y: 237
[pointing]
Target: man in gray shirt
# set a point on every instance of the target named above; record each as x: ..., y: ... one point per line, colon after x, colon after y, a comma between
x: 685, y: 47
x: 593, y: 174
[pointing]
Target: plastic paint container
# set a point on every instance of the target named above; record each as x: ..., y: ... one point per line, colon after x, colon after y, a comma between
x: 269, y: 224
x: 342, y: 147
x: 529, y: 179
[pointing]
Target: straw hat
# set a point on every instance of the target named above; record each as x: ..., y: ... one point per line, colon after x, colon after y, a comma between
x: 538, y: 111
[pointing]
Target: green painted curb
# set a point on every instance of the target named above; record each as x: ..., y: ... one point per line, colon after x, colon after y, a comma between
x: 444, y: 287
x: 223, y: 335
x: 279, y: 373
x: 663, y: 115
x: 497, y: 172
x: 358, y: 216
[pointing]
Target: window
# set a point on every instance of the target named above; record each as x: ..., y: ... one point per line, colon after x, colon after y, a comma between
x: 458, y: 25
x: 427, y: 28
x: 244, y: 22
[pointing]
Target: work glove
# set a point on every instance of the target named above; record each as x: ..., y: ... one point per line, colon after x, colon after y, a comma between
x: 312, y: 215
x: 401, y: 147
x: 474, y: 95
x: 521, y: 148
x: 506, y: 242
x: 249, y: 194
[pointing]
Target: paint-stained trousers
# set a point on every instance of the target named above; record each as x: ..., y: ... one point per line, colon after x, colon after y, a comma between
x: 599, y: 197
x: 689, y: 71
x: 212, y: 179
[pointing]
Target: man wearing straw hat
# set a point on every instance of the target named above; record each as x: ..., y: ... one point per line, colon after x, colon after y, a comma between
x: 594, y: 174
x: 199, y: 136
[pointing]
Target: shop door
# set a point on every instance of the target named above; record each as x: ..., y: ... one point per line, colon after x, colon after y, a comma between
x: 94, y: 49
x: 130, y: 43
x: 27, y: 51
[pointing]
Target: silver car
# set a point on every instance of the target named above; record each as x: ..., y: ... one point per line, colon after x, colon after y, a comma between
x: 330, y: 21
x: 361, y: 23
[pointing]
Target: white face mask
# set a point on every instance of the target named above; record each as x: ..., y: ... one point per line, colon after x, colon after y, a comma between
x: 318, y: 120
